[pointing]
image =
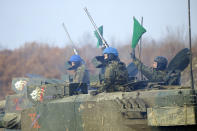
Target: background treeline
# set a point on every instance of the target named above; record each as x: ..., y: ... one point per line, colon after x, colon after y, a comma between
x: 49, y: 61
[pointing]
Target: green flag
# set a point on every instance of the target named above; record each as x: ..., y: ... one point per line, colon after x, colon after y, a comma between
x: 99, y: 43
x: 138, y: 31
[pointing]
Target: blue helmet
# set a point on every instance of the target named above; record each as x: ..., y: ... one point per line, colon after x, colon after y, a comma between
x: 110, y: 50
x: 75, y: 58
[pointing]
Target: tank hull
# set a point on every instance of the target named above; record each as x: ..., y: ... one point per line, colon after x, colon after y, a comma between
x: 119, y: 111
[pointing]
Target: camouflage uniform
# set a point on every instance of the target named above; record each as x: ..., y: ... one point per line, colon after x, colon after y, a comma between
x: 115, y: 76
x: 81, y: 75
x: 154, y: 75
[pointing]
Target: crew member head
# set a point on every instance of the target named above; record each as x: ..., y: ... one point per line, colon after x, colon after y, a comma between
x: 160, y: 63
x: 110, y: 54
x: 75, y: 61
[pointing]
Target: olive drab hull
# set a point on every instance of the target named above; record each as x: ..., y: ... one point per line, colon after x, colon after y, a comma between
x: 3, y: 129
x: 169, y: 109
x: 53, y: 106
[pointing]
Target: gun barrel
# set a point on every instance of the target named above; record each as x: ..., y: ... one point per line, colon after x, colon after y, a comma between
x: 93, y: 23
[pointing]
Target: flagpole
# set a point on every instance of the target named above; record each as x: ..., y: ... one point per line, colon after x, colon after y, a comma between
x: 140, y: 50
x: 133, y: 49
x: 191, y: 72
x: 96, y: 28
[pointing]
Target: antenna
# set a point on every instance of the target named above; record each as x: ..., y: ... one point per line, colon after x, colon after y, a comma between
x: 190, y: 46
x: 75, y: 51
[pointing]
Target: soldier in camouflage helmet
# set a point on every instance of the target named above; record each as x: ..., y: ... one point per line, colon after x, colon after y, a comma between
x: 160, y: 63
x: 81, y: 73
x: 115, y: 74
x: 158, y: 72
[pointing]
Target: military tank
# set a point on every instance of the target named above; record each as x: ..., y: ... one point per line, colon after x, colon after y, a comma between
x: 57, y: 106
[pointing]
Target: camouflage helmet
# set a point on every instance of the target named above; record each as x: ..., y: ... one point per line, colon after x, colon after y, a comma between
x: 161, y: 62
x: 110, y: 50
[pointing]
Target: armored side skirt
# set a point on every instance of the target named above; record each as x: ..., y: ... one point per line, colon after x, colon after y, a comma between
x: 172, y: 116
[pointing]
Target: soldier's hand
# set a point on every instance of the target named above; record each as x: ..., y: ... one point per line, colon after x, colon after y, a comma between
x: 93, y: 93
x: 103, y: 47
x: 94, y: 85
x: 127, y: 89
x: 132, y: 56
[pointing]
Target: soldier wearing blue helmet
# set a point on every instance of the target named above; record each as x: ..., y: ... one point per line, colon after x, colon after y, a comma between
x: 115, y: 75
x: 81, y: 74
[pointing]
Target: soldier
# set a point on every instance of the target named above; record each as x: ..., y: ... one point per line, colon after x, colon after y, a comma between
x: 158, y: 72
x: 81, y: 74
x: 115, y: 75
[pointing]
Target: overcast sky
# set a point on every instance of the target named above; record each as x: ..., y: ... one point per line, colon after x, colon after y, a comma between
x: 41, y: 20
